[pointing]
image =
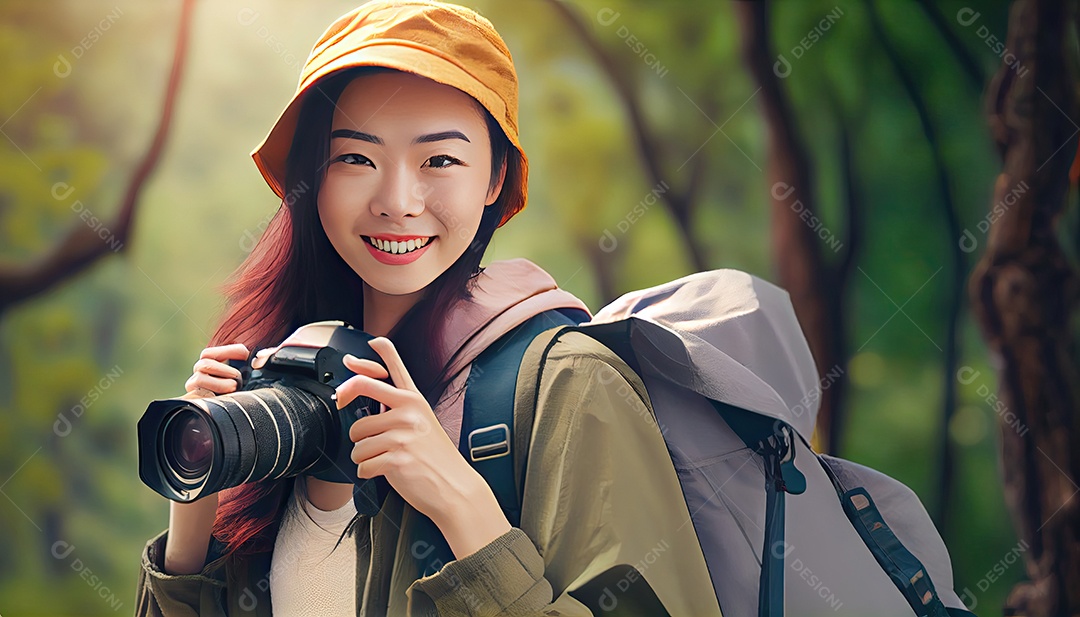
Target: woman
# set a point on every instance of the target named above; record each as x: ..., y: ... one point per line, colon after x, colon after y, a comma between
x: 396, y: 160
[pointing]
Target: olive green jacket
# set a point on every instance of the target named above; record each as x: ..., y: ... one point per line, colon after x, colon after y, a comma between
x: 599, y: 492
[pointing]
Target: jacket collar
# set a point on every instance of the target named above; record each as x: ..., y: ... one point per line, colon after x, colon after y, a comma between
x: 504, y: 295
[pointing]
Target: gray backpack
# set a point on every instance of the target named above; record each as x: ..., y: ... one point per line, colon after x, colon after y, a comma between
x: 734, y: 389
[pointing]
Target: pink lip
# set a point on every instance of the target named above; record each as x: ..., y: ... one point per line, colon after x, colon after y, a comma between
x: 397, y: 260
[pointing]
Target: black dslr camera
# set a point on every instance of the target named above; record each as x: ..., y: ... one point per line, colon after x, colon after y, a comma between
x: 283, y: 422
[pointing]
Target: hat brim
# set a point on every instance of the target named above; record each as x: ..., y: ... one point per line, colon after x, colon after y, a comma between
x: 270, y: 155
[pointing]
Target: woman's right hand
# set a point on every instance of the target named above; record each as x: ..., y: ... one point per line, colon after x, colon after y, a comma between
x: 211, y: 375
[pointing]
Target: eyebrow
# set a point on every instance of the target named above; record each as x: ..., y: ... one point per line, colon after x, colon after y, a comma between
x: 422, y: 139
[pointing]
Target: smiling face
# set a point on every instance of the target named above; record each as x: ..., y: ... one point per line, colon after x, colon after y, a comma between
x: 407, y: 179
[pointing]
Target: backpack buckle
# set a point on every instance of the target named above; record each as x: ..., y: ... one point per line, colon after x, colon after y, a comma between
x: 494, y: 442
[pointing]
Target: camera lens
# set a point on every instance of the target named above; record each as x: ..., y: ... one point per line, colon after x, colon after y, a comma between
x: 200, y: 446
x: 188, y: 444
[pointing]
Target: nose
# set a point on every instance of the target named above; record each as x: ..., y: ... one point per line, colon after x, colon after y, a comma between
x: 400, y: 195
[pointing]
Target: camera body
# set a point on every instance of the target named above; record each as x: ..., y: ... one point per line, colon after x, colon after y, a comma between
x: 282, y: 422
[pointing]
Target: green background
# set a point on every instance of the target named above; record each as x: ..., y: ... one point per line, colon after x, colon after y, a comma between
x: 128, y: 330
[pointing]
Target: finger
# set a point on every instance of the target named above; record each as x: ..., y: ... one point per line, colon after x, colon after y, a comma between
x: 362, y: 366
x: 261, y: 356
x: 215, y: 385
x: 362, y: 385
x: 375, y: 445
x: 376, y: 466
x: 369, y: 426
x: 236, y: 351
x: 216, y: 369
x: 197, y: 393
x: 389, y: 354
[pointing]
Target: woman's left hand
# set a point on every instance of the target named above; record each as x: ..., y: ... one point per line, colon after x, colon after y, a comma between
x: 406, y: 444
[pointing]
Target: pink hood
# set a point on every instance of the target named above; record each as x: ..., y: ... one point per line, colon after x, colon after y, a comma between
x: 505, y: 295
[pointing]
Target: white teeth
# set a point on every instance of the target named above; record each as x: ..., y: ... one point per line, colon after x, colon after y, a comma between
x: 397, y: 248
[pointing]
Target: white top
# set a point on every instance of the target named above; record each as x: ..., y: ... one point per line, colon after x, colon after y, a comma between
x: 308, y: 576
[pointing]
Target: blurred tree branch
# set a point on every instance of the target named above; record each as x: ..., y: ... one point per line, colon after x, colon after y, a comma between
x: 946, y: 456
x: 814, y: 286
x: 1025, y: 294
x: 972, y: 71
x: 845, y: 266
x: 603, y: 266
x: 83, y: 246
x: 680, y: 202
x: 853, y: 235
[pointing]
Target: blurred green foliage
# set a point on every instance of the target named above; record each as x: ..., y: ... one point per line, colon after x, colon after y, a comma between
x: 79, y: 365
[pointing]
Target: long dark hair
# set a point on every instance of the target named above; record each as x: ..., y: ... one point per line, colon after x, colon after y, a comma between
x: 294, y: 276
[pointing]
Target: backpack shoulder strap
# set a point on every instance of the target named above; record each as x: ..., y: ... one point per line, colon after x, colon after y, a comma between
x: 903, y: 567
x: 487, y: 423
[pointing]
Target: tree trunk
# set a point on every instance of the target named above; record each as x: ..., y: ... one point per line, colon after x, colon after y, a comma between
x: 795, y: 244
x: 1024, y: 293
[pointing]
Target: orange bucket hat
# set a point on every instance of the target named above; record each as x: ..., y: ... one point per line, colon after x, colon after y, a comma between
x: 447, y: 43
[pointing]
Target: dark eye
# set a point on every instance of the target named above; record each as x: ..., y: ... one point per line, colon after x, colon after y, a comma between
x: 442, y: 161
x: 354, y: 159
